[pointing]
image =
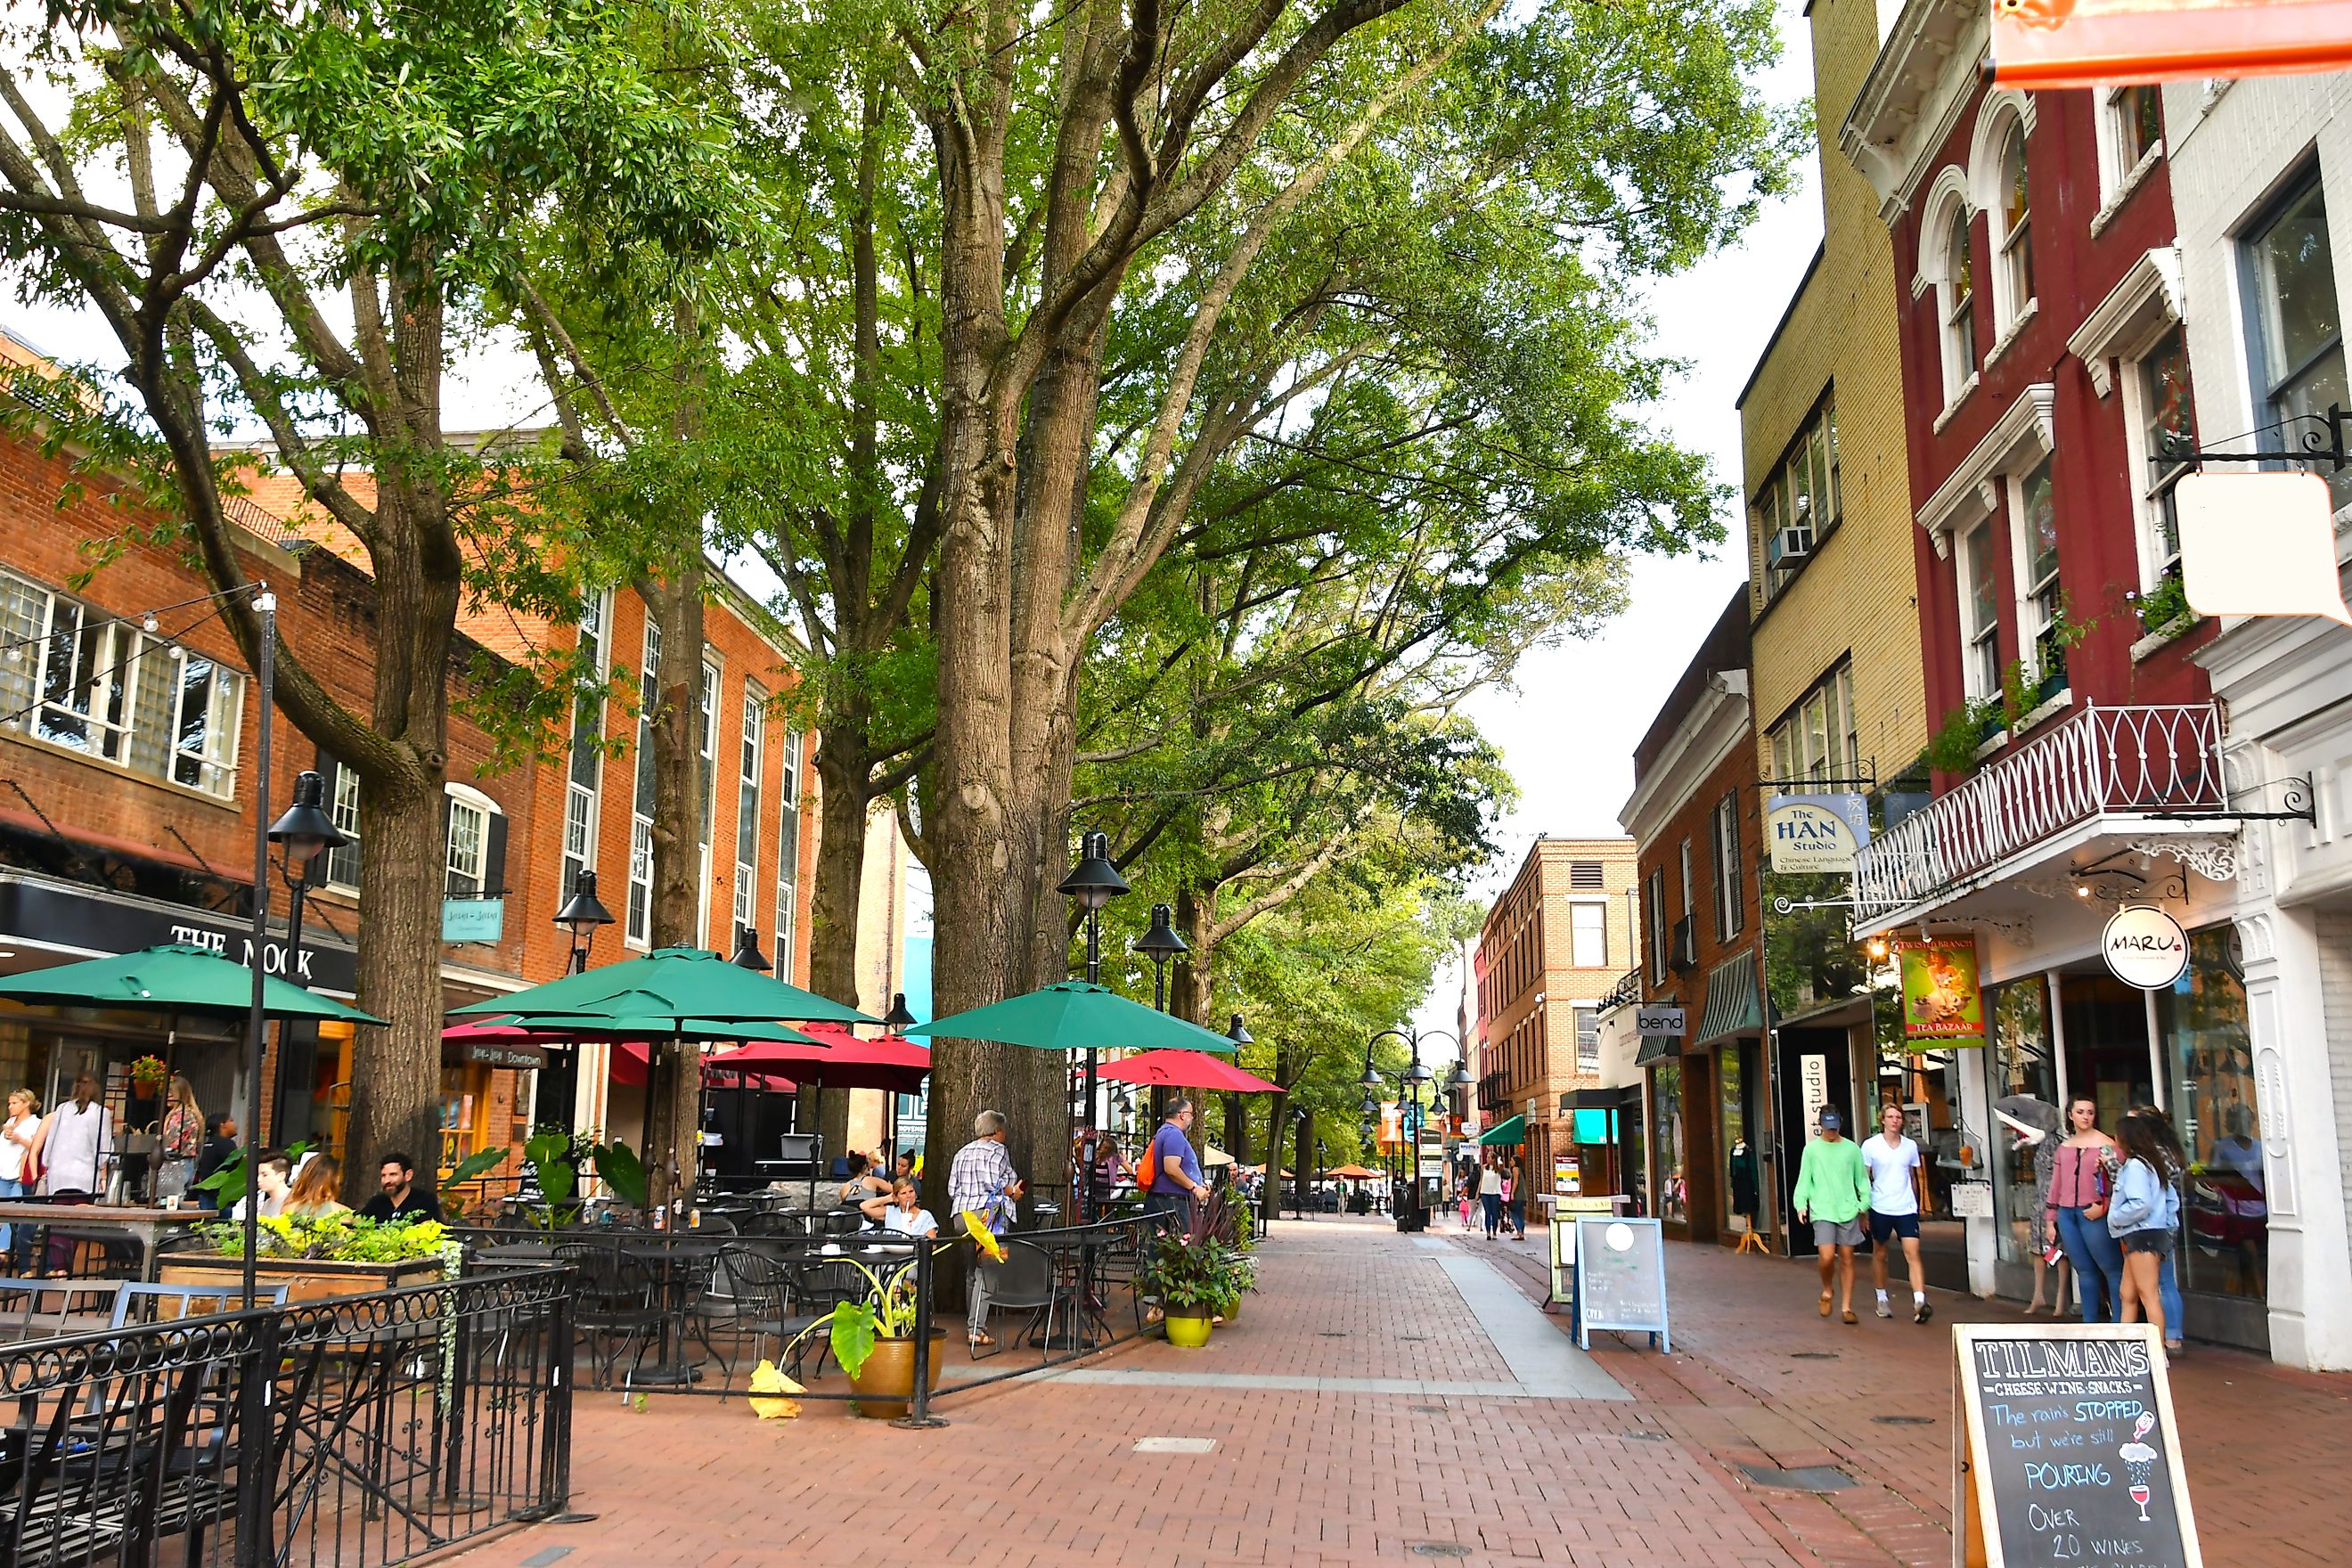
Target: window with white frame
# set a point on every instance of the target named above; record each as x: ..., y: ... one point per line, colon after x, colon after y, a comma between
x: 86, y: 683
x: 586, y: 775
x: 1800, y: 505
x: 1955, y: 303
x: 2298, y: 345
x: 1653, y: 921
x: 2040, y: 601
x: 1587, y: 1038
x: 747, y: 806
x: 1723, y: 847
x: 344, y: 805
x: 2131, y: 133
x: 707, y: 778
x: 466, y: 849
x: 638, y: 929
x: 2166, y: 422
x: 1588, y: 934
x: 2012, y: 230
x: 1817, y: 739
x: 1979, y: 613
x: 788, y: 850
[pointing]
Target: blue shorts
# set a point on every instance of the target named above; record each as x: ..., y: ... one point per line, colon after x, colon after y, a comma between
x: 1882, y: 1225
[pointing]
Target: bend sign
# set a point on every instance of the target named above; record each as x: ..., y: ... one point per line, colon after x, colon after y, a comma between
x: 1816, y: 833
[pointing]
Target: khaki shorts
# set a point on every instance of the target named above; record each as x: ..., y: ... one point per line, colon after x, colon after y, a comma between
x: 1838, y: 1232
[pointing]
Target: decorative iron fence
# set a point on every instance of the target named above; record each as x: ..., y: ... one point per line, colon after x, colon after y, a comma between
x: 1626, y: 993
x: 351, y: 1432
x: 2139, y: 759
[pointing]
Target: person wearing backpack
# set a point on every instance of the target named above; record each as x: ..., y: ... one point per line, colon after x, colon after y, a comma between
x: 2144, y: 1215
x: 1169, y: 1176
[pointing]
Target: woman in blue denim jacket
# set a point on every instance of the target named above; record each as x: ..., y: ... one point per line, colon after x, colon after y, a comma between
x: 2145, y: 1215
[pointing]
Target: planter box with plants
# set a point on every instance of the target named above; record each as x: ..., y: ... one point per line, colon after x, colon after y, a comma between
x: 1197, y: 1272
x: 321, y: 1257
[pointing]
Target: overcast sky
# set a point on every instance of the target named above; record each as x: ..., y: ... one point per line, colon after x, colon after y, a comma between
x: 1574, y: 779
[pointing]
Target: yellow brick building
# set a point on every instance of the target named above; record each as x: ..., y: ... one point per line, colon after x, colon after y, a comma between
x: 1836, y: 682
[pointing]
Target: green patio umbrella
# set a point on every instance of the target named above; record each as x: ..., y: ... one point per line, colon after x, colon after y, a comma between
x: 629, y: 1024
x: 173, y: 978
x: 678, y: 983
x: 1071, y: 1016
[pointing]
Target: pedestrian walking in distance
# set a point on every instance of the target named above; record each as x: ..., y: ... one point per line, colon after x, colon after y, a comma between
x: 1490, y: 1195
x: 1893, y: 1162
x: 1833, y: 1190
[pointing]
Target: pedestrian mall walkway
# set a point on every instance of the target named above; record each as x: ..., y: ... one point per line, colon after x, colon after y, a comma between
x: 1395, y: 1398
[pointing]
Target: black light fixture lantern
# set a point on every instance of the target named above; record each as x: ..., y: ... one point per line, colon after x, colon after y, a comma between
x: 581, y: 915
x: 1093, y: 882
x: 747, y: 950
x: 1460, y: 1077
x: 899, y: 1018
x: 306, y: 830
x: 1162, y: 943
x: 1238, y: 1034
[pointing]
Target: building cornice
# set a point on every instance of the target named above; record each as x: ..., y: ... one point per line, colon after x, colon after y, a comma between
x: 2136, y: 311
x: 1715, y: 726
x: 2023, y: 432
x: 1923, y: 79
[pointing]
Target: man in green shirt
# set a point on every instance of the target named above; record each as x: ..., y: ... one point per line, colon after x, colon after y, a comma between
x: 1833, y: 1191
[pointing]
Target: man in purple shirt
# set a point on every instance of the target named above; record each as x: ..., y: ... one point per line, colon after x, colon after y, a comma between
x: 1175, y: 1168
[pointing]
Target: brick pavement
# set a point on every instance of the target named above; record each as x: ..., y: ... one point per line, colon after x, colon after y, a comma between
x: 1042, y: 1473
x: 2263, y: 1444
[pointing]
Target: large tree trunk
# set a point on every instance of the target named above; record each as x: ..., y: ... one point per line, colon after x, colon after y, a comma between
x: 1276, y: 1110
x: 674, y: 1082
x: 396, y: 1072
x: 842, y: 772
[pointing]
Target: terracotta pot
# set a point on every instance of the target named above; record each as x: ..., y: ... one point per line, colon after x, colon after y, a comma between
x: 1188, y: 1327
x: 889, y: 1376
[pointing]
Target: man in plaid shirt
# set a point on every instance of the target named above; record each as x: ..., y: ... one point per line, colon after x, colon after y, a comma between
x: 982, y: 1180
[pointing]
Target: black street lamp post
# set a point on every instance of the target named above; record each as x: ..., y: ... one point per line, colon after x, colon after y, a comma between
x: 581, y: 916
x: 1093, y: 882
x: 1411, y: 1083
x: 1162, y: 945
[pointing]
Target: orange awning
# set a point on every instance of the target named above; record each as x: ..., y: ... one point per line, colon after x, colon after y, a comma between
x: 2087, y: 43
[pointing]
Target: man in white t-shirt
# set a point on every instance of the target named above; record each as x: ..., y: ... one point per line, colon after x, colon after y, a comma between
x: 1893, y: 1162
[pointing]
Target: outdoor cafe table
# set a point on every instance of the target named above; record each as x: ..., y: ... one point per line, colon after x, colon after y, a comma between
x: 148, y: 1226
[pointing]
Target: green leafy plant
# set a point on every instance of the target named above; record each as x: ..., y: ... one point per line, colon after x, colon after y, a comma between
x: 886, y: 1312
x: 1200, y: 1266
x: 2164, y: 607
x: 335, y: 1238
x: 1965, y: 730
x: 618, y: 1167
x: 554, y: 1155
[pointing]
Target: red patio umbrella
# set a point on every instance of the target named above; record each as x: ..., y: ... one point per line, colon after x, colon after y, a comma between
x: 1187, y: 1069
x: 891, y: 1062
x: 628, y: 1067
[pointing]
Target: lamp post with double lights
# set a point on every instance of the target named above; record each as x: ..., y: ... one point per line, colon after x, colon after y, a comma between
x: 1411, y: 1083
x: 1093, y: 882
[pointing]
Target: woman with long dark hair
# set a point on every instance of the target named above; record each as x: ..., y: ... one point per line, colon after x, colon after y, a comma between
x: 2146, y: 1212
x: 2080, y: 1182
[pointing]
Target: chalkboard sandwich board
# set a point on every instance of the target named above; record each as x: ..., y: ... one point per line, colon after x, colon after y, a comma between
x: 2068, y: 1453
x: 1621, y: 1278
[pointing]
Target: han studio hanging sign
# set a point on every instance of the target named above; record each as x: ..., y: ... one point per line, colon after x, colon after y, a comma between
x: 2145, y: 947
x: 1816, y: 833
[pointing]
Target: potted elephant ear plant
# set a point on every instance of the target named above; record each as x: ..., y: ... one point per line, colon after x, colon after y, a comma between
x: 874, y: 1339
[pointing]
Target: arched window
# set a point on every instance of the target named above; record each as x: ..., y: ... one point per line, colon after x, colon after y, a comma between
x: 2015, y: 236
x: 1959, y: 299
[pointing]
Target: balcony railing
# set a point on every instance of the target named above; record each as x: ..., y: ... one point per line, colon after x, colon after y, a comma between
x: 2102, y: 759
x: 1625, y: 992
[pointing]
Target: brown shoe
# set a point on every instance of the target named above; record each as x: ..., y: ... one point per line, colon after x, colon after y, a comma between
x: 1848, y: 1316
x: 1825, y: 1303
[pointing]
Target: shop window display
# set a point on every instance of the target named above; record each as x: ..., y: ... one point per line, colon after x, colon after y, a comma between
x: 2022, y: 1065
x: 1666, y: 1120
x: 2209, y: 1066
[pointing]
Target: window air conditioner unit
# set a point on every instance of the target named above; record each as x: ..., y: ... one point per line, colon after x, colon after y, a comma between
x: 1683, y: 943
x: 1789, y: 546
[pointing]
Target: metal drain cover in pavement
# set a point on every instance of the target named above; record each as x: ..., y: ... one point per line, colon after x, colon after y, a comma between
x: 1413, y: 1339
x: 1804, y: 1478
x: 1647, y: 1436
x: 1904, y: 1420
x: 1175, y: 1445
x: 1427, y: 1409
x: 1440, y: 1548
x: 1813, y: 1355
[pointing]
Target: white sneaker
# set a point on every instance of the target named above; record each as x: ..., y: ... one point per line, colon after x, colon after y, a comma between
x: 1883, y: 1310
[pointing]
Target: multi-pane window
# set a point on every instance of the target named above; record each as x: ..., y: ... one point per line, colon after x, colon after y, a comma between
x: 2299, y: 340
x: 788, y: 850
x: 747, y: 806
x: 1587, y: 1038
x: 2040, y: 598
x: 1958, y: 298
x: 81, y: 680
x: 707, y: 761
x: 2168, y: 433
x: 344, y: 805
x: 1588, y: 935
x: 2135, y: 120
x: 1818, y: 738
x: 1979, y: 613
x: 2015, y: 241
x: 1653, y: 920
x: 468, y: 857
x: 639, y: 928
x: 587, y: 764
x: 1800, y: 505
x: 1730, y: 897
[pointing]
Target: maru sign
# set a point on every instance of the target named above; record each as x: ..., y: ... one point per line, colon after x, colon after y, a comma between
x: 2145, y: 947
x: 1816, y: 832
x: 2088, y: 43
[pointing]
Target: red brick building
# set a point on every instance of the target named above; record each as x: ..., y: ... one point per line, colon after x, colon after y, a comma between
x: 128, y: 805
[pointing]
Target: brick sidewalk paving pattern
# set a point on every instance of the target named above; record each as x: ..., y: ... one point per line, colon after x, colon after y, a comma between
x: 1043, y: 1473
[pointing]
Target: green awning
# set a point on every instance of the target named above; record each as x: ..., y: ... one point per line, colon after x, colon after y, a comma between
x: 1657, y: 1048
x: 1734, y: 1004
x: 1514, y: 1131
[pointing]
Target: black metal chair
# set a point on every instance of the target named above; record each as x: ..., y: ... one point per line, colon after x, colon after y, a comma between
x: 616, y: 1300
x: 1023, y: 1282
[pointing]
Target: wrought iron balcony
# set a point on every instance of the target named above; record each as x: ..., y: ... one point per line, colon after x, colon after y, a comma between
x: 1625, y: 992
x: 2150, y: 761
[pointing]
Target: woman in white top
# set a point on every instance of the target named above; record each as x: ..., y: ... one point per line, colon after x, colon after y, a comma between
x: 20, y: 1133
x: 902, y: 1212
x: 1893, y: 1162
